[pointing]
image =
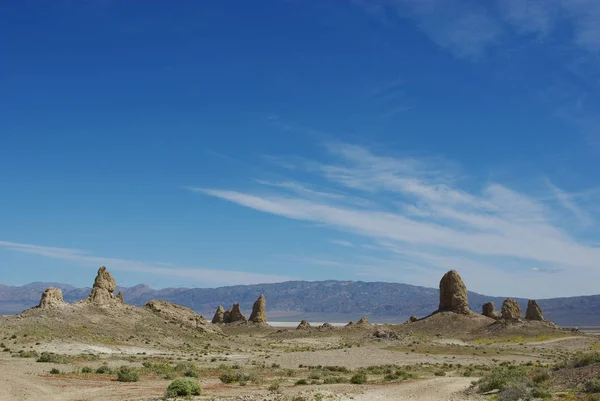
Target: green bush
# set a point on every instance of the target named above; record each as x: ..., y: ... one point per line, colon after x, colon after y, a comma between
x: 54, y: 371
x: 274, y: 386
x: 103, y: 370
x: 359, y: 378
x: 301, y: 382
x: 592, y: 386
x: 183, y: 387
x: 335, y: 380
x: 191, y: 373
x: 586, y: 359
x: 440, y: 373
x: 49, y: 357
x: 127, y: 375
x: 86, y: 369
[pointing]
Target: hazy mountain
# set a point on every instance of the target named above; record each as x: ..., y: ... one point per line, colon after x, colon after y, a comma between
x: 318, y: 300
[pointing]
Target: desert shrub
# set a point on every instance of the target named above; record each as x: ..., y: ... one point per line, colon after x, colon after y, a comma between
x: 515, y: 383
x: 54, y: 371
x: 358, y: 378
x: 314, y: 376
x: 227, y: 378
x: 586, y: 359
x: 49, y: 357
x: 592, y: 386
x: 28, y: 354
x: 301, y: 382
x: 540, y: 376
x: 86, y: 369
x: 341, y: 369
x: 191, y: 373
x: 183, y: 387
x: 274, y: 386
x: 440, y: 373
x: 468, y: 373
x: 335, y: 380
x: 127, y: 375
x: 103, y: 370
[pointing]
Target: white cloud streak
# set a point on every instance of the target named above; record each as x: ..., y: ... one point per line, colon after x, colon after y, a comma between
x: 443, y: 221
x: 206, y: 276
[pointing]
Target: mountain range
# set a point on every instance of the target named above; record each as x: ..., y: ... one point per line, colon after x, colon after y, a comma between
x: 334, y: 301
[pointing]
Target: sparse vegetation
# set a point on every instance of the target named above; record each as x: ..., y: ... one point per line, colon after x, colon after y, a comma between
x: 183, y: 387
x: 127, y: 375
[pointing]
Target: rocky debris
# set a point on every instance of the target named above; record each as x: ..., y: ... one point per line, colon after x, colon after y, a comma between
x: 534, y: 312
x: 511, y: 309
x: 453, y: 294
x: 259, y: 313
x: 104, y: 286
x: 52, y: 297
x: 363, y: 322
x: 234, y: 315
x: 219, y: 316
x: 120, y: 297
x: 180, y: 315
x: 326, y: 326
x: 385, y: 334
x: 489, y: 309
x: 350, y: 324
x: 304, y: 325
x: 413, y: 319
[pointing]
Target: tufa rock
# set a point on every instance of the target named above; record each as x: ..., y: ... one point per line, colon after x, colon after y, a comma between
x: 234, y: 315
x: 52, y: 297
x: 489, y: 310
x: 219, y: 316
x: 534, y: 312
x: 304, y: 325
x: 363, y: 322
x: 511, y: 309
x: 104, y: 286
x: 259, y: 314
x: 413, y: 319
x: 453, y: 294
x: 326, y: 326
x: 120, y: 297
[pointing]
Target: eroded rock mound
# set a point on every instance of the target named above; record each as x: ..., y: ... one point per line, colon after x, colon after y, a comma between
x: 51, y: 298
x: 259, y: 313
x: 363, y: 322
x: 304, y: 325
x: 534, y: 312
x: 511, y: 309
x: 489, y: 310
x: 413, y: 319
x: 326, y: 326
x: 180, y: 315
x: 104, y: 286
x: 234, y: 315
x: 453, y: 294
x: 120, y: 297
x: 219, y: 316
x: 349, y: 324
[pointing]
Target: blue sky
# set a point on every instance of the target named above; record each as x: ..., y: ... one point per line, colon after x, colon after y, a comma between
x: 214, y: 143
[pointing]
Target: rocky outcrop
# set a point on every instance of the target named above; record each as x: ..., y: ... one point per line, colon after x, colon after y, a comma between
x: 534, y: 312
x: 363, y: 322
x: 120, y: 297
x: 511, y: 309
x: 103, y: 289
x: 453, y: 294
x: 489, y: 309
x: 180, y: 315
x: 304, y: 325
x: 234, y: 315
x: 349, y: 324
x: 413, y: 319
x: 52, y: 298
x: 219, y: 316
x: 326, y: 326
x: 259, y: 313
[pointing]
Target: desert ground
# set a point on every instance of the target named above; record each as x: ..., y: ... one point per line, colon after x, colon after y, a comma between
x: 103, y: 349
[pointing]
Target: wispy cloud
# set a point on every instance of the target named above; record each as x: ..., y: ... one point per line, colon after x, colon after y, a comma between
x: 568, y: 202
x: 341, y: 242
x: 446, y: 224
x: 205, y: 276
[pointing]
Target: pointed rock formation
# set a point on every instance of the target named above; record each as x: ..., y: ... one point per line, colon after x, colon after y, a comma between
x: 304, y: 325
x: 489, y: 310
x: 363, y: 322
x: 326, y: 326
x: 234, y: 315
x: 219, y: 316
x: 52, y: 297
x: 511, y: 309
x: 104, y: 286
x: 534, y: 312
x: 120, y: 297
x: 350, y: 324
x: 453, y: 294
x: 259, y: 313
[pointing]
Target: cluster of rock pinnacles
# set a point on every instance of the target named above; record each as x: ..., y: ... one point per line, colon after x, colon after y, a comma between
x: 235, y: 315
x: 453, y: 298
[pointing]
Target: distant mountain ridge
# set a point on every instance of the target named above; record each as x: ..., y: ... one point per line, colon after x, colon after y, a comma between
x: 317, y: 300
